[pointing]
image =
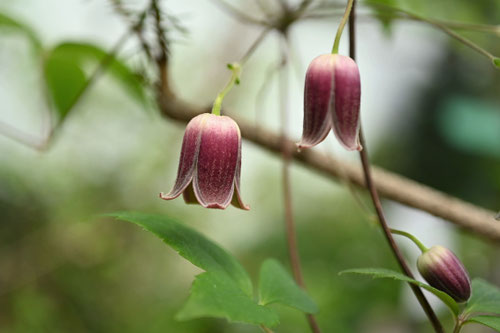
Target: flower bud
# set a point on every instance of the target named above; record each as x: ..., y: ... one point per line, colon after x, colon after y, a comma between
x: 444, y: 271
x: 210, y: 163
x: 331, y: 101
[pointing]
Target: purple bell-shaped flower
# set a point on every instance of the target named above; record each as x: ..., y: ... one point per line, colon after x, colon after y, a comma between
x: 331, y: 101
x: 210, y: 163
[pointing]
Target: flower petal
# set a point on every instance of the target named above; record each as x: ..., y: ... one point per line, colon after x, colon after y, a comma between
x: 236, y: 200
x: 189, y: 155
x: 346, y: 103
x: 318, y: 92
x: 217, y: 161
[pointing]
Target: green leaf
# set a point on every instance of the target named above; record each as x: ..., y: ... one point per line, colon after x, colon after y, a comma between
x: 490, y: 321
x: 496, y: 62
x: 192, y: 245
x: 485, y: 298
x: 65, y: 81
x: 68, y: 67
x: 277, y: 286
x: 215, y: 295
x: 384, y: 15
x: 8, y: 23
x: 386, y: 273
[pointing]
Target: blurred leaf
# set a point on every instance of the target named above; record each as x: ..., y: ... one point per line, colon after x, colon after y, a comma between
x: 65, y: 81
x: 470, y: 125
x: 6, y: 22
x: 385, y: 16
x: 215, y: 295
x: 386, y: 273
x: 277, y: 286
x: 68, y: 67
x: 485, y: 297
x: 193, y: 246
x: 496, y: 62
x: 492, y: 322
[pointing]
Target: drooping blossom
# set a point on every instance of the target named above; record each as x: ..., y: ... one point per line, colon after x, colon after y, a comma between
x: 210, y: 163
x: 444, y: 271
x: 331, y: 101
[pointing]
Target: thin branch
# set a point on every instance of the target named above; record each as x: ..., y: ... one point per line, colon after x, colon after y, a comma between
x: 19, y: 136
x: 376, y: 199
x: 291, y: 236
x: 266, y: 329
x: 390, y: 185
x: 237, y: 14
x: 440, y: 26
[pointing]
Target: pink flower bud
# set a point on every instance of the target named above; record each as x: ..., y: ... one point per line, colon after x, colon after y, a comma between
x: 331, y: 100
x: 210, y: 163
x: 444, y: 271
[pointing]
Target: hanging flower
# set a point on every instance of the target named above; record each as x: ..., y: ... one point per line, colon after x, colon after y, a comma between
x: 332, y: 100
x: 444, y: 271
x: 210, y: 163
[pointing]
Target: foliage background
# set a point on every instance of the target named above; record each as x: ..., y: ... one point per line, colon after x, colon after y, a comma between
x: 431, y: 109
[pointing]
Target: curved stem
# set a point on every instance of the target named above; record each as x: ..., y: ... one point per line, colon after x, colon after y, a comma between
x: 266, y: 329
x: 348, y: 9
x: 378, y: 205
x: 410, y: 237
x: 236, y: 70
x: 291, y: 237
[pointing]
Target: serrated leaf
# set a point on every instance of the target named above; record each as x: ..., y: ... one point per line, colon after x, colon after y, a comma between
x: 490, y: 321
x: 213, y: 294
x: 387, y: 273
x: 277, y: 286
x: 68, y: 67
x: 485, y: 297
x: 7, y: 22
x: 192, y: 245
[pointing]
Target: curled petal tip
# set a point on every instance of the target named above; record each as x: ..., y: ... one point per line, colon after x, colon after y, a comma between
x: 165, y: 196
x: 209, y: 167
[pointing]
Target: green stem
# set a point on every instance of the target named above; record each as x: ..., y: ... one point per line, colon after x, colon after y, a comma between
x: 236, y: 68
x: 410, y: 237
x: 235, y: 79
x: 266, y: 329
x: 342, y: 24
x: 458, y: 326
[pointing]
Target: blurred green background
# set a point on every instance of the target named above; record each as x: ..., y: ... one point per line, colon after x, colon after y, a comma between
x: 431, y: 109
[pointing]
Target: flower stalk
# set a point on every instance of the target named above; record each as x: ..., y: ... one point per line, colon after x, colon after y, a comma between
x: 377, y: 203
x: 414, y: 239
x: 235, y: 79
x: 343, y: 21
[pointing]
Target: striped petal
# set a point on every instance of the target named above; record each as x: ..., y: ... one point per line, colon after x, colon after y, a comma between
x: 236, y: 201
x: 189, y: 154
x: 213, y: 181
x: 318, y: 92
x: 346, y: 102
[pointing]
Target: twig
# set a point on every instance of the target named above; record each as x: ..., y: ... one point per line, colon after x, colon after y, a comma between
x: 103, y: 64
x: 293, y: 251
x: 376, y: 200
x: 389, y: 185
x: 266, y: 329
x: 237, y: 14
x: 440, y: 26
